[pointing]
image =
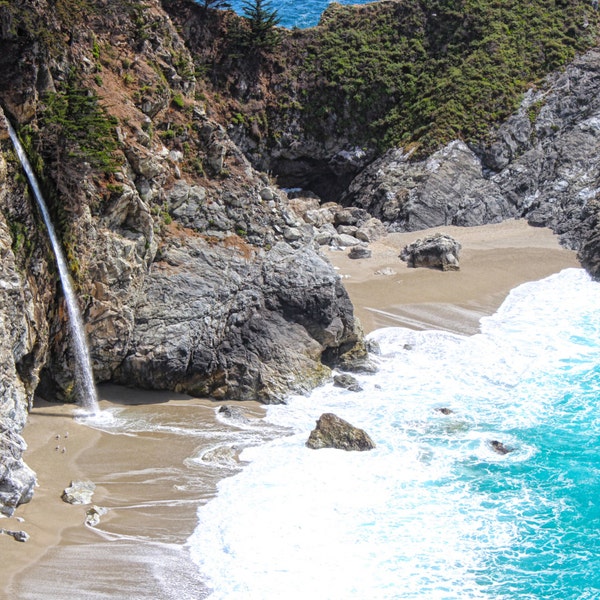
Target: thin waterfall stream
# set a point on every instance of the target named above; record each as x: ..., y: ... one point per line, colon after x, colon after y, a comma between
x: 83, y: 365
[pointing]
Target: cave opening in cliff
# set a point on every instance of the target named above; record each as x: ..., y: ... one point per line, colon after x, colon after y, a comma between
x: 312, y: 175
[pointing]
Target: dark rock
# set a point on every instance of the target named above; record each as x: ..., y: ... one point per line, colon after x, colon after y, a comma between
x: 448, y: 188
x: 359, y: 252
x: 19, y: 536
x: 445, y: 411
x: 333, y: 432
x: 439, y: 251
x: 233, y: 412
x: 347, y: 382
x: 499, y: 447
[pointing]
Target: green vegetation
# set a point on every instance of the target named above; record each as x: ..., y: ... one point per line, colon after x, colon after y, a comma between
x: 80, y: 124
x: 423, y: 72
x: 262, y: 20
x: 178, y: 101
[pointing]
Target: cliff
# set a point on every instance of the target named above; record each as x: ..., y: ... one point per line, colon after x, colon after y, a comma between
x: 188, y: 276
x: 151, y: 128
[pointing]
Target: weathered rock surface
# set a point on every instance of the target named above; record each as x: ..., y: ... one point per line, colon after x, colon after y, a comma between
x: 333, y: 432
x: 25, y: 292
x: 446, y: 189
x: 346, y: 381
x: 79, y: 492
x: 438, y: 251
x: 541, y: 164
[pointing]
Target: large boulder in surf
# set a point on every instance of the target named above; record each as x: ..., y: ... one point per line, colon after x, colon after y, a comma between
x: 438, y: 251
x: 333, y: 432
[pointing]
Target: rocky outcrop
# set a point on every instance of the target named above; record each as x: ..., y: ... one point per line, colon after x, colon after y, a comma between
x: 192, y: 272
x: 79, y: 492
x: 333, y: 432
x: 25, y: 292
x: 541, y: 164
x: 446, y: 189
x: 438, y: 251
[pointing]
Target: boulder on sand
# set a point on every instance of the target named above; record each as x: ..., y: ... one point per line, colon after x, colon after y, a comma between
x: 79, y: 492
x: 333, y: 432
x: 438, y: 251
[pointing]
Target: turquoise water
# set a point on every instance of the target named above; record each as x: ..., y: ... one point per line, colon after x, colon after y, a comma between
x: 297, y: 14
x: 433, y: 512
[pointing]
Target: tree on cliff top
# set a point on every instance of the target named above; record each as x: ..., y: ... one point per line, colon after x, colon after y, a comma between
x: 262, y: 21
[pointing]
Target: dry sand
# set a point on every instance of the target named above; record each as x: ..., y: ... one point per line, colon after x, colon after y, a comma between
x: 143, y: 478
x: 494, y: 259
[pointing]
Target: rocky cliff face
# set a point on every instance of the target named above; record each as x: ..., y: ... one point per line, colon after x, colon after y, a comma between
x: 26, y: 291
x: 541, y: 164
x: 192, y: 272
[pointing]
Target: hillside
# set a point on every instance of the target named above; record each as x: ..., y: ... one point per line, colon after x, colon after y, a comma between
x: 152, y: 127
x: 413, y: 73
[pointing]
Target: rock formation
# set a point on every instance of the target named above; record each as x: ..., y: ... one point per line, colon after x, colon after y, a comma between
x: 192, y: 270
x: 193, y: 273
x: 333, y: 432
x: 347, y: 381
x: 438, y: 251
x: 541, y: 165
x: 79, y: 492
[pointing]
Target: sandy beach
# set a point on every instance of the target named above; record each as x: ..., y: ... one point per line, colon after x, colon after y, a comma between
x: 494, y: 259
x: 144, y: 476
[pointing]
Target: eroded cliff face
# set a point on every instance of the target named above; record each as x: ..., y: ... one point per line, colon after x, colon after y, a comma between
x: 187, y: 274
x: 27, y: 285
x: 542, y: 164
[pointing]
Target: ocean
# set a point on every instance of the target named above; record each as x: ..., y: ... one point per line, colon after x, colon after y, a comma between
x: 434, y: 512
x: 296, y: 14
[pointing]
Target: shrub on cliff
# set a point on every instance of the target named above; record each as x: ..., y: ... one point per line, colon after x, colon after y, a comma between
x: 425, y: 72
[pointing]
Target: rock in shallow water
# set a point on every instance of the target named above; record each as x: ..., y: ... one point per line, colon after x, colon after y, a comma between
x: 347, y: 382
x: 333, y: 432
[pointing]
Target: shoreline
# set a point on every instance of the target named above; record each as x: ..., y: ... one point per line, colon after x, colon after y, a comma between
x: 146, y: 479
x: 494, y: 259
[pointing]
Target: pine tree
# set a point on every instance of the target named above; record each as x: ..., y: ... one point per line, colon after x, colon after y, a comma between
x: 262, y: 21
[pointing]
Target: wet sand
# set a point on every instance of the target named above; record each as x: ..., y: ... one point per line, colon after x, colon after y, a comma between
x: 494, y: 259
x: 145, y: 478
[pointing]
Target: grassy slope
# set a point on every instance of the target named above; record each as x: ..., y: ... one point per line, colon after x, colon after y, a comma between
x: 395, y: 72
x: 425, y: 72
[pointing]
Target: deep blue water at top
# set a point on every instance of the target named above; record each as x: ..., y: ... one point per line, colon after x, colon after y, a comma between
x: 297, y: 14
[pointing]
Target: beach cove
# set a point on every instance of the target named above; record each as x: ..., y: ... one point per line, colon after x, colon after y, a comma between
x: 154, y: 476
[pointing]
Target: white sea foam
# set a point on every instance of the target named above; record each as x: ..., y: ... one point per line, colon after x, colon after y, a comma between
x: 421, y: 515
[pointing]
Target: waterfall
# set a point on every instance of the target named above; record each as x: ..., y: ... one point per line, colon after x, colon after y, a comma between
x: 84, y: 376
